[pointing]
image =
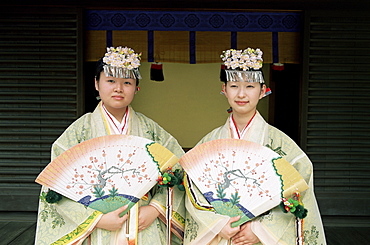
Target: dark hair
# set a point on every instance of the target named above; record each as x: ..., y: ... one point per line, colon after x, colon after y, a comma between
x: 99, y: 68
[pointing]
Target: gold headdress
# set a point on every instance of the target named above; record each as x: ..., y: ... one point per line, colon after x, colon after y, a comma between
x: 243, y: 65
x: 122, y: 62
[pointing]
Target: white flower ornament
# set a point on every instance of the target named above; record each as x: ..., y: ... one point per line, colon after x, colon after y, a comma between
x: 122, y: 62
x: 243, y: 65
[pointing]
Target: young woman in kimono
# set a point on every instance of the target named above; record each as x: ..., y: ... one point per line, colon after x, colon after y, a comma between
x: 244, y: 87
x: 69, y: 222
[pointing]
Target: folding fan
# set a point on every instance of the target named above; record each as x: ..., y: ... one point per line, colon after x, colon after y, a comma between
x: 108, y: 172
x: 238, y: 177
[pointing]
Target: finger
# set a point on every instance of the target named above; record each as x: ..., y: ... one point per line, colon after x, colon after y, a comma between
x: 140, y: 228
x: 121, y: 210
x: 233, y: 219
x: 235, y: 229
x: 237, y: 240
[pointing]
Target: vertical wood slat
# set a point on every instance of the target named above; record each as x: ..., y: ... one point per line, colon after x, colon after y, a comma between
x: 336, y: 105
x: 40, y: 94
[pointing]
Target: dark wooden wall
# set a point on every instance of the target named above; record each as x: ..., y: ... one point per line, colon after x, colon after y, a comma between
x: 41, y: 93
x: 335, y: 125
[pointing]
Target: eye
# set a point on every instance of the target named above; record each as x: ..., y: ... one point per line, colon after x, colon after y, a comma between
x: 127, y: 82
x: 111, y: 81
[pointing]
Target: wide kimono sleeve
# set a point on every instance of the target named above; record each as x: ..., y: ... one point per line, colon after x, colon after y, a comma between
x: 202, y: 225
x: 278, y: 227
x: 66, y: 222
x: 147, y: 128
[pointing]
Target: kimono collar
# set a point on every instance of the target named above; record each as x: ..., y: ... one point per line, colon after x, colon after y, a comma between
x: 115, y: 126
x: 235, y: 132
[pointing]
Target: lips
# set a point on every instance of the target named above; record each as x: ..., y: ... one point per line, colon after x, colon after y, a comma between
x: 117, y: 97
x: 241, y: 102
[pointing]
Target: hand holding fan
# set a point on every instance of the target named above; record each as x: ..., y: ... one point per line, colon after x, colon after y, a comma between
x: 239, y: 177
x: 108, y: 172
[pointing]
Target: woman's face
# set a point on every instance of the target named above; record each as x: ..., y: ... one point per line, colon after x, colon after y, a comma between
x: 243, y: 97
x: 115, y: 93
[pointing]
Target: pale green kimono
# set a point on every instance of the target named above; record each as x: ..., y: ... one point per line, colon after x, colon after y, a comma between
x: 276, y: 227
x: 69, y: 221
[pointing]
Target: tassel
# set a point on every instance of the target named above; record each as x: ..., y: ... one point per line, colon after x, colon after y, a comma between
x: 169, y: 209
x: 156, y: 72
x: 278, y: 66
x: 223, y: 74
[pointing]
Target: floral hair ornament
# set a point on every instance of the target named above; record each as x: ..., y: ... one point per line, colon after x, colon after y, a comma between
x: 243, y: 65
x: 122, y: 62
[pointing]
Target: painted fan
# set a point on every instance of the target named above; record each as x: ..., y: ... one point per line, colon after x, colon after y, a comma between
x: 238, y: 177
x: 108, y: 172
